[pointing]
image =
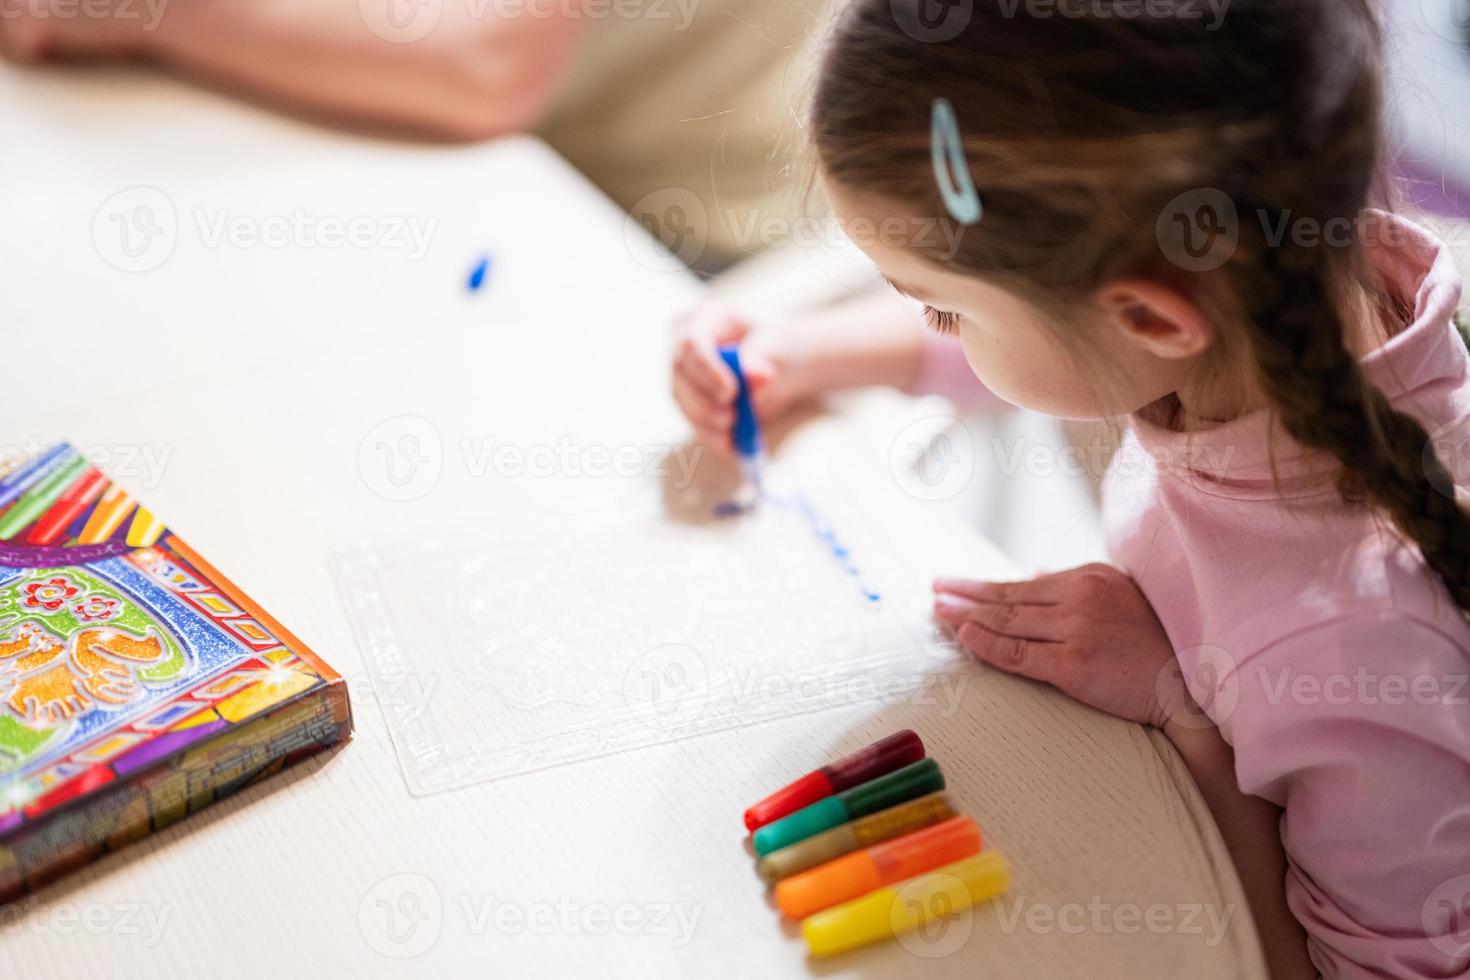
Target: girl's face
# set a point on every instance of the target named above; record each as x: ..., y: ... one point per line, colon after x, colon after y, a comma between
x: 1100, y: 372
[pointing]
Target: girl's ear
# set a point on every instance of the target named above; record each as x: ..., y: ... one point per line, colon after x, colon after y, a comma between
x: 1155, y: 319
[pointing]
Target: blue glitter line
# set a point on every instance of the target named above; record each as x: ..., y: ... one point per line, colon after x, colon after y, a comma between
x: 820, y: 526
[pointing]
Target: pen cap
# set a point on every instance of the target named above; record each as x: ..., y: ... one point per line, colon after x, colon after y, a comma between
x: 862, y: 871
x: 833, y: 883
x: 746, y: 433
x: 804, y: 823
x: 804, y: 855
x: 897, y: 787
x: 902, y: 907
x: 787, y: 800
x: 855, y: 835
x: 869, y: 762
x: 925, y: 850
x: 883, y: 756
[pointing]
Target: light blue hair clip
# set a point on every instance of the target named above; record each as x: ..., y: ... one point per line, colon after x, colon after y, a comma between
x: 951, y: 169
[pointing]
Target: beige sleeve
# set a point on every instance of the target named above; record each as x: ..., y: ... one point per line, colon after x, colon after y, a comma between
x: 687, y: 113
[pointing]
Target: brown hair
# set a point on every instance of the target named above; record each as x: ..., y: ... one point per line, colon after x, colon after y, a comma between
x: 1082, y: 128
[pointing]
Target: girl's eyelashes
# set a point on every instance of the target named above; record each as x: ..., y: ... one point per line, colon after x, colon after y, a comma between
x: 942, y: 320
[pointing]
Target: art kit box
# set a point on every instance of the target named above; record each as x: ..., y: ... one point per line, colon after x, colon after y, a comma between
x: 137, y: 684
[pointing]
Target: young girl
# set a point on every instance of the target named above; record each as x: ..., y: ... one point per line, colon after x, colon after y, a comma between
x: 1175, y: 228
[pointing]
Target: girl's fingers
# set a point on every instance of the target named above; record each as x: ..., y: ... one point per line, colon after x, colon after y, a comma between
x: 702, y: 367
x: 767, y: 396
x: 711, y: 422
x: 700, y: 410
x: 1045, y: 591
x: 716, y: 439
x: 1024, y: 622
x: 1036, y: 659
x: 723, y: 324
x: 708, y: 328
x: 759, y: 369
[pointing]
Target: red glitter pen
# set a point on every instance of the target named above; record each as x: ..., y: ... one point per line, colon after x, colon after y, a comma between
x: 879, y: 759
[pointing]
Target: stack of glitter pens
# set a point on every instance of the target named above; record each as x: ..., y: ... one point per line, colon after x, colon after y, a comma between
x: 869, y: 847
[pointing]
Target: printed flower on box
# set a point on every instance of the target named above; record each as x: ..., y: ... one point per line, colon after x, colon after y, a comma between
x: 97, y: 609
x: 51, y: 594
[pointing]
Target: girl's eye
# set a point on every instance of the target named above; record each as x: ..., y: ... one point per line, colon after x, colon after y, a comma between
x: 942, y: 320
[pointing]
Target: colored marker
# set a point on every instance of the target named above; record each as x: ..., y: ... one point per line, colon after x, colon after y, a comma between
x: 897, y: 787
x: 68, y: 507
x: 873, y: 867
x: 883, y: 756
x: 35, y: 500
x: 830, y: 845
x: 746, y: 433
x: 900, y: 908
x: 145, y: 529
x: 107, y: 516
x: 24, y: 477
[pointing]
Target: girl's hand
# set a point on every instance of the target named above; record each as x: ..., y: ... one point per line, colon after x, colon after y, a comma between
x: 1088, y: 631
x: 705, y: 387
x: 868, y: 340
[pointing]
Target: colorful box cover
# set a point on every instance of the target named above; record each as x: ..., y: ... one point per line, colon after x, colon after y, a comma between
x: 137, y: 684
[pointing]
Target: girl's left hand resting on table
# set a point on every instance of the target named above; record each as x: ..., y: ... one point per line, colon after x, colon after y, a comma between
x: 1087, y: 631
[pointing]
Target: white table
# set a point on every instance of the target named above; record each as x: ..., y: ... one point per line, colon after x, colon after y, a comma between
x: 252, y: 374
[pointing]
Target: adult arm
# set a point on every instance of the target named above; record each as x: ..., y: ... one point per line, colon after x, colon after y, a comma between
x: 455, y: 69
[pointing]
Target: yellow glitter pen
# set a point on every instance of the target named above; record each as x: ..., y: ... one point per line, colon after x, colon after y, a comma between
x: 897, y: 909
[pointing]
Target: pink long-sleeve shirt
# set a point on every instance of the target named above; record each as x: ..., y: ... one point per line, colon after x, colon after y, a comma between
x: 1333, y: 662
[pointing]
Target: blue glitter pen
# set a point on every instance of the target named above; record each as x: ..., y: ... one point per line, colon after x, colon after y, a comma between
x: 746, y: 433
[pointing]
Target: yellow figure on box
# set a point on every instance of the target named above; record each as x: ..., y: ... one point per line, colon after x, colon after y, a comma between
x: 46, y: 680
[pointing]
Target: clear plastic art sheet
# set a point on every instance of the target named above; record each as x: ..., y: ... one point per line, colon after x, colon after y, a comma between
x: 623, y: 629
